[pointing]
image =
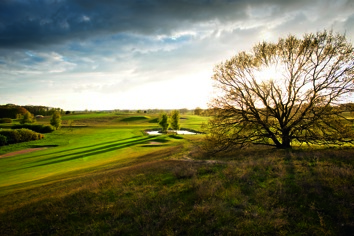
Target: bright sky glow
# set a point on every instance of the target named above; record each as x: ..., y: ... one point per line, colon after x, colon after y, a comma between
x: 129, y: 54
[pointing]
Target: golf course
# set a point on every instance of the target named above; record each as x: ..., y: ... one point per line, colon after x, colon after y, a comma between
x: 102, y: 174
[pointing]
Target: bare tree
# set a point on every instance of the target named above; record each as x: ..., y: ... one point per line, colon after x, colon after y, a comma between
x: 298, y: 103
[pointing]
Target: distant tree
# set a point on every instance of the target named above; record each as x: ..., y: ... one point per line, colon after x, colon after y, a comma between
x: 38, y: 110
x: 27, y: 118
x: 164, y: 122
x: 55, y: 121
x: 313, y: 75
x: 19, y: 116
x: 175, y: 117
x: 198, y: 111
x: 183, y: 111
x: 67, y: 112
x: 12, y: 111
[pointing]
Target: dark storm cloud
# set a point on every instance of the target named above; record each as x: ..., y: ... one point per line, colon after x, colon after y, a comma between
x: 40, y: 22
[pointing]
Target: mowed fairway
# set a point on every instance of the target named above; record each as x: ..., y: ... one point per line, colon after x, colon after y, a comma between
x: 104, y: 141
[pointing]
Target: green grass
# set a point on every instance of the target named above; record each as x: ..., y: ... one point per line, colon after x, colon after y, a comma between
x: 135, y: 118
x: 110, y: 179
x: 78, y: 150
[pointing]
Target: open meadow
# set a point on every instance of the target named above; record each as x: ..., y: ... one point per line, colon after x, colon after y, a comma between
x: 101, y: 174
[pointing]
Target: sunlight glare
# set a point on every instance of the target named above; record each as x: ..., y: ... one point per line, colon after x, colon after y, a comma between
x: 269, y: 73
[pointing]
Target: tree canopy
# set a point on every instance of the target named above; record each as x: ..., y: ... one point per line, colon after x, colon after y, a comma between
x: 284, y: 92
x: 164, y: 122
x: 175, y: 116
x: 27, y: 118
x: 55, y: 120
x: 11, y: 111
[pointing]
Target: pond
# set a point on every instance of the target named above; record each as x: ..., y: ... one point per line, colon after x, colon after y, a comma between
x: 177, y: 131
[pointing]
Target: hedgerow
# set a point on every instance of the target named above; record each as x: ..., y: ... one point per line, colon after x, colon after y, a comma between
x: 5, y: 120
x: 37, y: 128
x: 20, y: 135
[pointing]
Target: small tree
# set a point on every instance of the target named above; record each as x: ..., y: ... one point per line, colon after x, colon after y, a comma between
x: 27, y: 118
x: 175, y: 125
x: 55, y: 121
x: 296, y: 102
x: 164, y: 122
x: 3, y: 140
x: 198, y: 111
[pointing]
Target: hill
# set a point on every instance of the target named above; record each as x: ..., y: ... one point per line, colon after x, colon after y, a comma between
x: 108, y: 178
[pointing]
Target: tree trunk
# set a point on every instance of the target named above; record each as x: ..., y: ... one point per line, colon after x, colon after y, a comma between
x: 286, y: 140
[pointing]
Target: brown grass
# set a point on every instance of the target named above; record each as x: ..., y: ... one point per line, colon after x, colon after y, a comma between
x: 272, y: 193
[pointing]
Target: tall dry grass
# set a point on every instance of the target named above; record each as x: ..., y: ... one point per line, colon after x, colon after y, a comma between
x: 251, y: 192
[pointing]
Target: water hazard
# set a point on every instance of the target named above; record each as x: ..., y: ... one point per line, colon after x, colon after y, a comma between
x: 174, y: 131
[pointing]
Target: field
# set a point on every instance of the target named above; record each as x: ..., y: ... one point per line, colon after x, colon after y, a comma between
x: 102, y: 175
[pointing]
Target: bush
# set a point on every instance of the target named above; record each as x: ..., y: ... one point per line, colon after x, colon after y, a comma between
x: 3, y: 140
x: 46, y: 129
x: 20, y: 135
x: 56, y: 120
x: 27, y: 135
x: 5, y: 120
x: 37, y: 128
x: 11, y: 135
x: 27, y: 118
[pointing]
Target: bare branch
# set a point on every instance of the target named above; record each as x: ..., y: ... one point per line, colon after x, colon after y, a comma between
x: 317, y: 71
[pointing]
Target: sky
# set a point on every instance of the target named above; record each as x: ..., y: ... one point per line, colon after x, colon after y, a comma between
x: 141, y: 54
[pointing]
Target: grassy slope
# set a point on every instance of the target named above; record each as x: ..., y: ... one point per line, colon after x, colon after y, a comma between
x: 118, y: 140
x: 155, y: 191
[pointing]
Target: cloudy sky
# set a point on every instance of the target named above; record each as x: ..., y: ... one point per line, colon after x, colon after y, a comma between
x: 140, y: 54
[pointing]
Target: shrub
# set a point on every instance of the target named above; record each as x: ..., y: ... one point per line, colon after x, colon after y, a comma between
x: 5, y: 120
x: 11, y: 135
x: 3, y: 140
x: 27, y: 118
x: 46, y: 129
x: 27, y: 135
x: 37, y: 128
x: 20, y: 135
x: 56, y: 120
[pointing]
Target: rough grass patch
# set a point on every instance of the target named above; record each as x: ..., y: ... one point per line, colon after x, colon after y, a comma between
x: 135, y: 118
x: 181, y: 172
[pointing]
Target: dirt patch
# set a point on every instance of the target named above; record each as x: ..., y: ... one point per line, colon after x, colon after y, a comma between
x: 154, y: 143
x: 10, y: 154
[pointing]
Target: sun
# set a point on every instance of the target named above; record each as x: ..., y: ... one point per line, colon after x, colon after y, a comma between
x: 270, y: 72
